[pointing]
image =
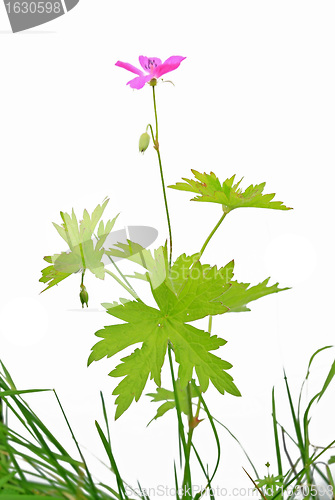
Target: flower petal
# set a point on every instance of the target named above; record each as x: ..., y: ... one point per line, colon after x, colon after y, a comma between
x: 129, y: 67
x: 149, y: 63
x: 170, y: 64
x: 139, y: 81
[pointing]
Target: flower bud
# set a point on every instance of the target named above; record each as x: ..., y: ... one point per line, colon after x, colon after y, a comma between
x: 83, y: 296
x: 144, y: 142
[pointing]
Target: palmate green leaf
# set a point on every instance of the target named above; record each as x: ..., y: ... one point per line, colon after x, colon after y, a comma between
x: 186, y: 268
x: 154, y: 329
x: 169, y: 399
x: 209, y: 188
x: 164, y: 408
x: 240, y: 294
x: 156, y: 264
x: 84, y: 253
x: 190, y: 291
x: 51, y: 275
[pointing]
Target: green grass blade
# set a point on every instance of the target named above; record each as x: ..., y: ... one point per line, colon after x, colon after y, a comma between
x: 312, y: 358
x: 7, y: 376
x: 306, y: 421
x: 287, y: 434
x: 105, y: 417
x: 330, y: 481
x: 208, y: 485
x: 18, y: 469
x: 37, y: 427
x: 48, y: 470
x: 108, y: 449
x: 211, y: 494
x: 176, y: 396
x: 292, y: 465
x: 176, y: 480
x: 308, y: 373
x: 302, y: 472
x: 26, y: 391
x: 94, y: 489
x: 319, y: 471
x: 295, y: 421
x: 111, y: 490
x: 239, y: 443
x: 28, y: 497
x: 210, y: 418
x: 329, y: 378
x: 5, y: 479
x: 144, y: 495
x: 181, y: 432
x: 275, y: 432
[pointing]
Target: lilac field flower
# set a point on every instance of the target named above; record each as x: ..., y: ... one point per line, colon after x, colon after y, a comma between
x: 152, y: 69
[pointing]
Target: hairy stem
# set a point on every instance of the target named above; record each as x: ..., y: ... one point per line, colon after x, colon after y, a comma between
x: 155, y: 108
x: 156, y: 146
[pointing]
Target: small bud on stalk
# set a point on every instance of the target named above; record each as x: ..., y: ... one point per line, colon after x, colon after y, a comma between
x: 83, y: 296
x: 144, y: 142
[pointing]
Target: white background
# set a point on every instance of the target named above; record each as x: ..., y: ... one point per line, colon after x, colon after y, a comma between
x: 254, y: 97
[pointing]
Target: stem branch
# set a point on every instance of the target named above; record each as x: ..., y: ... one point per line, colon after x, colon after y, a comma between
x: 211, y: 234
x: 129, y: 290
x: 122, y: 275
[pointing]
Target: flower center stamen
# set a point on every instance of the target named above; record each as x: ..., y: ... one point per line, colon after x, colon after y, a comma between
x: 151, y: 65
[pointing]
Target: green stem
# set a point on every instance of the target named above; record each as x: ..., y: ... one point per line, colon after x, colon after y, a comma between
x: 210, y: 319
x: 189, y: 402
x: 129, y: 290
x: 187, y: 483
x: 156, y: 146
x: 180, y: 422
x: 121, y: 274
x: 198, y: 409
x: 82, y: 277
x: 82, y: 256
x: 187, y: 473
x: 211, y: 234
x: 155, y: 108
x: 199, y: 495
x: 190, y: 433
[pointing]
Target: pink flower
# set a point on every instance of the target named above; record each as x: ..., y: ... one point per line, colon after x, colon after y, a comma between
x: 153, y: 69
